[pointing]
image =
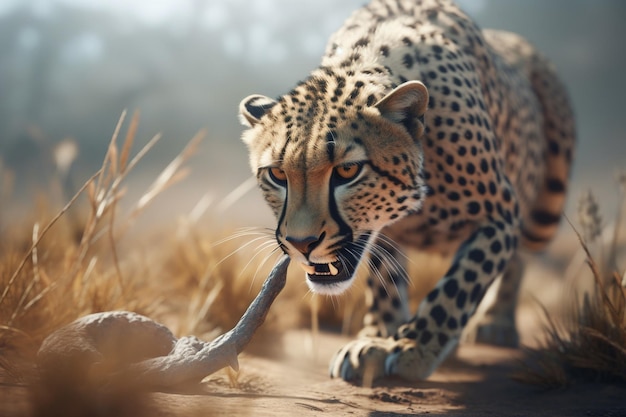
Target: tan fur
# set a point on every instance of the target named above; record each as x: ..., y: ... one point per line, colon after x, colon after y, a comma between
x: 463, y: 140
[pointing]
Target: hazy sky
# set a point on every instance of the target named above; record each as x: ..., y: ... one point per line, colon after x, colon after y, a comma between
x: 187, y: 63
x: 216, y: 12
x: 244, y: 27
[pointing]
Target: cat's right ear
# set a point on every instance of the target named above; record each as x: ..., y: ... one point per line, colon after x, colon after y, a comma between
x: 253, y: 107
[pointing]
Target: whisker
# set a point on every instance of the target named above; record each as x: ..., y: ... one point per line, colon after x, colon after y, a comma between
x: 394, y: 245
x: 240, y: 248
x: 345, y: 261
x: 263, y: 262
x: 392, y: 265
x: 381, y: 253
x: 376, y: 272
x: 210, y: 269
x: 257, y: 251
x: 244, y: 232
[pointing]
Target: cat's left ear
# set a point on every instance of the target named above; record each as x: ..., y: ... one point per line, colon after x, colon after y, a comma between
x: 406, y: 105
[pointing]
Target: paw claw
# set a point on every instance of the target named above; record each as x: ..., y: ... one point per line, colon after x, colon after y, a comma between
x: 391, y: 363
x: 346, y: 372
x: 361, y: 359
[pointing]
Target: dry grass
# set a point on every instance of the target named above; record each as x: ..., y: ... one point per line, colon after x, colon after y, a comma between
x: 57, y: 266
x: 589, y: 343
x: 85, y: 259
x: 70, y: 267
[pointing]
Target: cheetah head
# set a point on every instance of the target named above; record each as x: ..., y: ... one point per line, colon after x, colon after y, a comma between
x: 336, y: 170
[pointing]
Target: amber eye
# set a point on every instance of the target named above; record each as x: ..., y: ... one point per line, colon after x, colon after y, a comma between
x: 278, y: 175
x: 348, y: 171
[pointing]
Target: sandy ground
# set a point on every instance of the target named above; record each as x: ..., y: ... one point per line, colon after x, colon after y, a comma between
x: 475, y: 382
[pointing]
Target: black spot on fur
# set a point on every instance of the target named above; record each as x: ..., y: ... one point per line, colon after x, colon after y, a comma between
x: 421, y: 324
x: 476, y: 292
x: 470, y: 275
x: 388, y: 317
x: 452, y: 323
x: 432, y: 296
x: 438, y: 313
x: 411, y: 335
x: 489, y: 231
x: 461, y: 298
x: 473, y: 208
x: 362, y: 42
x: 477, y: 255
x: 407, y: 60
x: 496, y: 247
x: 426, y: 337
x: 487, y: 267
x: 451, y: 288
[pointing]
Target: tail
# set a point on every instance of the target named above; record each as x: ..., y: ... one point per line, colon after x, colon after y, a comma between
x: 560, y: 135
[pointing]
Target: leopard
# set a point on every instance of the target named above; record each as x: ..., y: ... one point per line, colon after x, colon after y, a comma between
x: 419, y: 130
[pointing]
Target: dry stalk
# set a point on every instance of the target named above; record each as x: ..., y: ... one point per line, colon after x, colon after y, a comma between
x: 170, y: 175
x: 34, y: 281
x: 591, y: 343
x: 43, y: 233
x: 103, y: 190
x: 611, y: 261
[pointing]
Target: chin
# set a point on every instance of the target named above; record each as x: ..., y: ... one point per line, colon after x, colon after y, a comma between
x: 329, y: 288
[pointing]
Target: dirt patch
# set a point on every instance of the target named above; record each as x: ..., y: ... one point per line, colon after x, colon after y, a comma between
x: 475, y: 382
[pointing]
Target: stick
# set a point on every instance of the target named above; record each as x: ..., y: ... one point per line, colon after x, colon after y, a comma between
x: 192, y: 359
x: 188, y: 361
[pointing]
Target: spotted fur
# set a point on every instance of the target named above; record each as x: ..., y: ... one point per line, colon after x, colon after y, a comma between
x: 421, y: 130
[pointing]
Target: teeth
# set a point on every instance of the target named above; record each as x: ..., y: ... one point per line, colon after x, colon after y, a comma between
x: 309, y: 269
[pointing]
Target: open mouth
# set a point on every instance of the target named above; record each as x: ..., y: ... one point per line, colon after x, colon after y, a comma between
x: 348, y: 258
x: 333, y: 271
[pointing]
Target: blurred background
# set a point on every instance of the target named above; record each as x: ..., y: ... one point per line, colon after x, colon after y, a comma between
x: 69, y: 67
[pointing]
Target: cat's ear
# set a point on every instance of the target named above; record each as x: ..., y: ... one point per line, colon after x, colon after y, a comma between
x: 406, y: 105
x: 253, y: 107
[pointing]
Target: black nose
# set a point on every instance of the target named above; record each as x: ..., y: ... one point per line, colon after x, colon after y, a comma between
x: 306, y: 244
